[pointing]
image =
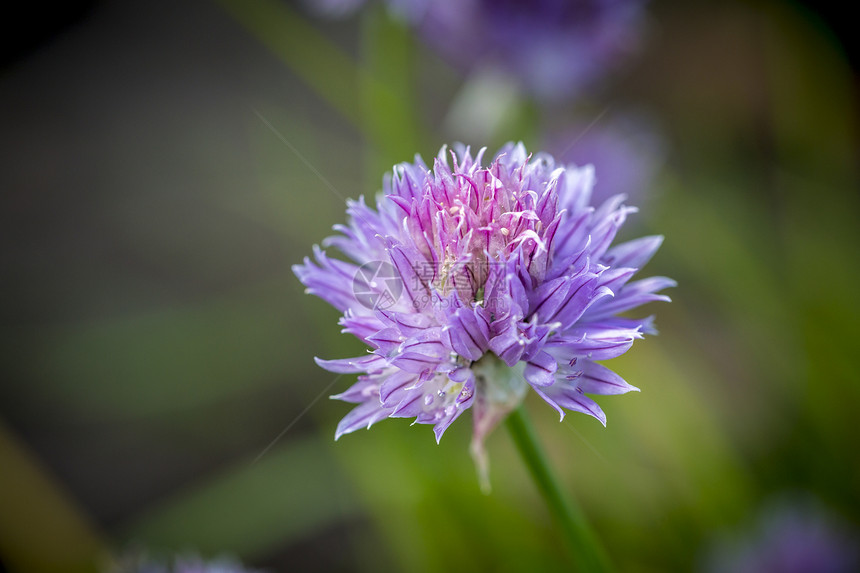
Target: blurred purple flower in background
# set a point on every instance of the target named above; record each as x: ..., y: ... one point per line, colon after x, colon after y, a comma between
x: 791, y: 536
x: 627, y: 153
x: 555, y: 48
x: 140, y: 562
x: 483, y: 281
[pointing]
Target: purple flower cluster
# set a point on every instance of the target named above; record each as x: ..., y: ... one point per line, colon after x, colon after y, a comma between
x: 502, y: 277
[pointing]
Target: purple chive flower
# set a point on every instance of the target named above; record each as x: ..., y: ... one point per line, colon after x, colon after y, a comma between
x: 472, y: 283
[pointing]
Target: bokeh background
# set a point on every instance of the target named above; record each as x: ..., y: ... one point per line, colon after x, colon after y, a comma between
x: 163, y: 166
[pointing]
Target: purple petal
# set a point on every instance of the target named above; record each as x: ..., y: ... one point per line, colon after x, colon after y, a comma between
x: 606, y: 229
x: 566, y: 396
x: 462, y: 343
x: 386, y: 341
x: 328, y: 280
x: 362, y: 416
x: 427, y: 342
x: 415, y: 362
x: 634, y: 253
x: 540, y: 370
x: 473, y: 323
x: 368, y: 363
x: 631, y: 296
x: 394, y: 388
x: 595, y: 344
x: 411, y: 405
x: 598, y: 379
x: 409, y: 323
x: 449, y: 418
x: 548, y: 297
x: 582, y: 294
x: 508, y: 344
x: 413, y: 283
x: 365, y: 389
x: 615, y: 278
x: 361, y: 327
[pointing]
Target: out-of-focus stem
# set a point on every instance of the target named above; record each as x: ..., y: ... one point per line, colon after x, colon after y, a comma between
x: 587, y: 552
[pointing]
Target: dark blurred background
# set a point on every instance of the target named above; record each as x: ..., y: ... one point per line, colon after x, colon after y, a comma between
x: 163, y: 165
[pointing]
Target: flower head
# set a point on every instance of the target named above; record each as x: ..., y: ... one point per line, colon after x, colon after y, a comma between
x: 473, y: 283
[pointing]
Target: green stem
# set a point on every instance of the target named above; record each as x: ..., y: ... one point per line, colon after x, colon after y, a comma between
x: 587, y: 552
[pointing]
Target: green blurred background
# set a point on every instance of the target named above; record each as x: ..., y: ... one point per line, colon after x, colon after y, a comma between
x: 163, y: 166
